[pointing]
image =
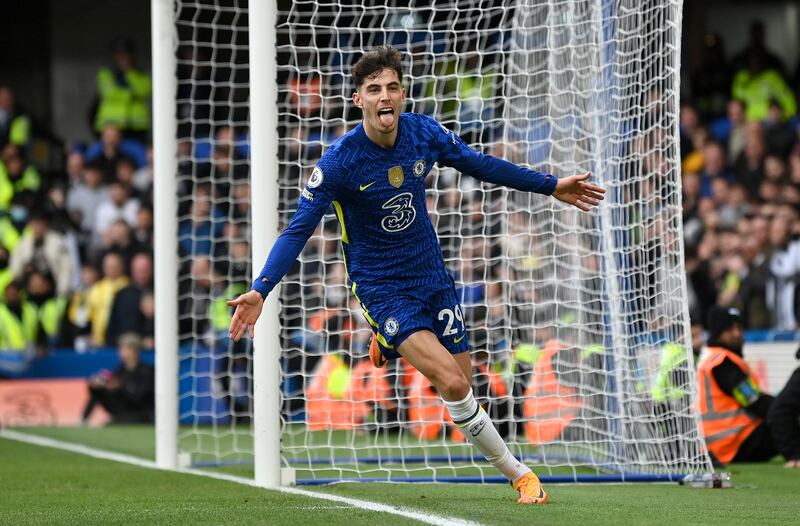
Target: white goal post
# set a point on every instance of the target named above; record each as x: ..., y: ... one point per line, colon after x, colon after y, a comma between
x: 578, y: 322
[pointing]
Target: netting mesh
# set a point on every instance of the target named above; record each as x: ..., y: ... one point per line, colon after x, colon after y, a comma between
x: 214, y: 228
x: 577, y: 320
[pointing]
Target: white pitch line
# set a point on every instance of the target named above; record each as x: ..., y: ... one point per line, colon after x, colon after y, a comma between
x: 426, y: 518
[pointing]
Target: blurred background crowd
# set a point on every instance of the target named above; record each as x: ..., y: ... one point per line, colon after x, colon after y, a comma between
x: 76, y: 235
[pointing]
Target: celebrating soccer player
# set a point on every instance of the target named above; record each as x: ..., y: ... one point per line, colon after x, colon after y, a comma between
x: 375, y: 178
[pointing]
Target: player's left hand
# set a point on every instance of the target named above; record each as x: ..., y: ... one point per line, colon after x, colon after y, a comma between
x: 576, y: 191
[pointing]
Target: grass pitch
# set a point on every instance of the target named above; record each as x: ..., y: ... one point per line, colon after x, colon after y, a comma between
x: 48, y: 486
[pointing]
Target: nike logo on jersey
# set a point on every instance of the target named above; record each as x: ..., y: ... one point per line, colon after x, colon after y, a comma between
x: 457, y: 340
x: 365, y: 186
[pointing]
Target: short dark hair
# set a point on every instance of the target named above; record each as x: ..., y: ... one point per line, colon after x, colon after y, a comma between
x: 383, y: 57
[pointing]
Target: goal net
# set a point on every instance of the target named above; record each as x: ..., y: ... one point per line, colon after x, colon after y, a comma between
x: 577, y: 321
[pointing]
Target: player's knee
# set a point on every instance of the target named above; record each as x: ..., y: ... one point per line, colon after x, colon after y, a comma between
x: 453, y: 386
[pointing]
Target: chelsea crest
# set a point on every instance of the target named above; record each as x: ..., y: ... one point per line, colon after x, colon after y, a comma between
x: 419, y: 168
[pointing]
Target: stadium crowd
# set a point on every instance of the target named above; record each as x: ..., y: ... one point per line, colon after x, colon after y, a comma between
x: 76, y: 243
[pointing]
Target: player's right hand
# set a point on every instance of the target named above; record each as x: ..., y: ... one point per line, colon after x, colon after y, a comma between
x: 248, y: 309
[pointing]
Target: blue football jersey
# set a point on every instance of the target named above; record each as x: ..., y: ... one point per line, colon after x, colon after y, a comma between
x: 378, y: 194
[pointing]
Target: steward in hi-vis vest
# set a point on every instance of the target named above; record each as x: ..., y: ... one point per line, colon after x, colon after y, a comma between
x: 731, y: 404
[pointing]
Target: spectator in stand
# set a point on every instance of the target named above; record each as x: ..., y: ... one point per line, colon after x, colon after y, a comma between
x: 49, y: 307
x: 75, y: 327
x: 125, y: 312
x: 147, y: 320
x: 749, y: 166
x: 126, y: 169
x: 205, y: 224
x: 731, y: 130
x: 224, y: 136
x: 753, y: 289
x: 20, y: 182
x: 21, y: 336
x: 779, y: 134
x: 784, y: 266
x: 715, y: 168
x: 101, y: 296
x: 123, y: 93
x: 117, y: 206
x: 689, y: 124
x: 194, y: 291
x: 119, y: 238
x: 128, y: 393
x: 143, y: 231
x: 85, y: 196
x: 15, y: 124
x: 111, y: 148
x: 73, y: 170
x: 693, y: 160
x: 757, y: 84
x: 43, y: 249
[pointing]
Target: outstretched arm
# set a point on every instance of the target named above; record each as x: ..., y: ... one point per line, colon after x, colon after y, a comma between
x: 573, y: 190
x: 314, y: 202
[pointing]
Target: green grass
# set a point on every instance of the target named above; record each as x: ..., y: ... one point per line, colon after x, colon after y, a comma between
x: 48, y: 486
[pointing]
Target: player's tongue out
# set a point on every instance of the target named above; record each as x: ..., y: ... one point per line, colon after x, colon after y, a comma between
x: 386, y: 116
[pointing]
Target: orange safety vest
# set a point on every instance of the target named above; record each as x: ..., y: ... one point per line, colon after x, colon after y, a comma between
x: 549, y: 406
x: 426, y: 412
x: 335, y: 404
x: 329, y: 401
x: 369, y: 384
x: 725, y: 423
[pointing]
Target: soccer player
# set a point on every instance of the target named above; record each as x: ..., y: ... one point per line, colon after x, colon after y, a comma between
x: 375, y: 178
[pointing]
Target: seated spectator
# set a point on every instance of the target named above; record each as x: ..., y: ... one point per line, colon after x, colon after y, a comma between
x: 76, y: 164
x: 85, y: 196
x: 125, y: 311
x: 49, y: 307
x: 20, y: 182
x: 749, y: 166
x: 124, y: 176
x: 75, y: 326
x: 101, y: 297
x: 779, y: 135
x: 224, y: 135
x: 127, y: 393
x: 15, y: 124
x: 143, y: 230
x: 733, y: 408
x: 731, y: 130
x: 147, y: 320
x: 43, y: 249
x: 111, y: 149
x: 21, y: 336
x: 119, y: 238
x: 204, y: 225
x: 784, y: 265
x: 714, y: 167
x: 117, y: 206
